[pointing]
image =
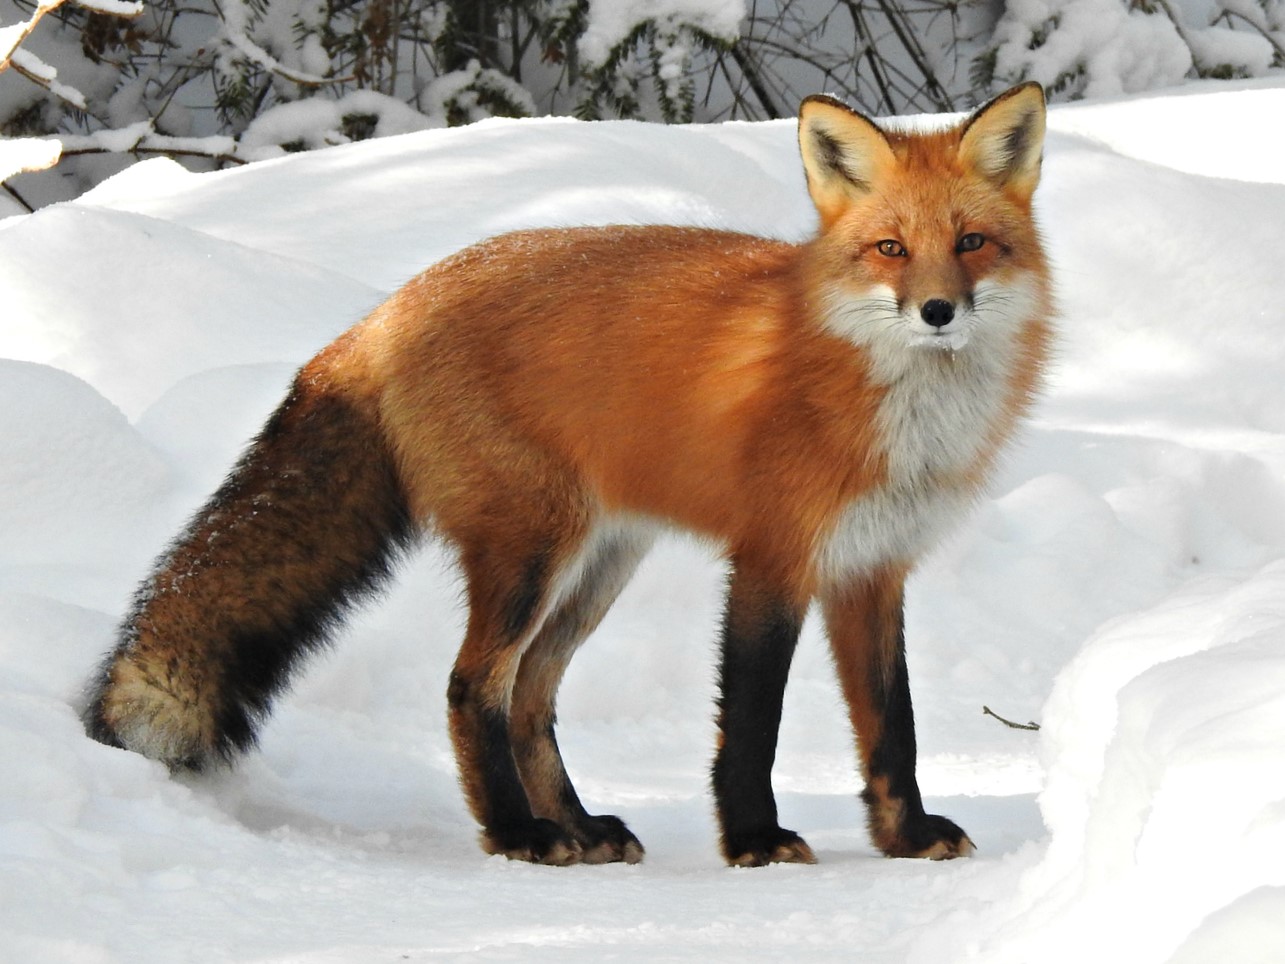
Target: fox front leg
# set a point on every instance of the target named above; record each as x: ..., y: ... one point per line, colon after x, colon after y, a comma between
x: 864, y: 620
x: 760, y: 630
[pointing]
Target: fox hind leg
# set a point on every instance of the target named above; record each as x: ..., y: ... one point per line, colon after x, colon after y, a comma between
x: 510, y: 595
x: 606, y: 569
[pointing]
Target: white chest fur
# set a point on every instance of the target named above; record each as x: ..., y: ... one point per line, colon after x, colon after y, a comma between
x: 937, y: 425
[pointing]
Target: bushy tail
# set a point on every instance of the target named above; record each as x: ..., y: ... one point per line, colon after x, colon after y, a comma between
x: 309, y: 520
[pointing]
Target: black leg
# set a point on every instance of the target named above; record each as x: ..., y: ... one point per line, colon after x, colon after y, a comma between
x: 760, y: 630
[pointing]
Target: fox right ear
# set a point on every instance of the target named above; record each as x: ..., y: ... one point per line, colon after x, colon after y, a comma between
x: 844, y: 154
x: 1004, y: 140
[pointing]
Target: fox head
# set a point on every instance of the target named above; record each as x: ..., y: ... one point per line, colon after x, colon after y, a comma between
x: 926, y: 238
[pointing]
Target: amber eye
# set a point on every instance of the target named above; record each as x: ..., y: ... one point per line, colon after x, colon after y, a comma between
x: 970, y: 242
x: 891, y: 249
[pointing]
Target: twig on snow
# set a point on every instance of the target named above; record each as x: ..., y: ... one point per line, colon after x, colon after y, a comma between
x: 987, y: 711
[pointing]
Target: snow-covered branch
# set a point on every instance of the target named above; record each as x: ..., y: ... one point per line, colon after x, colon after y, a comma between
x: 42, y: 74
x: 11, y: 37
x: 237, y: 33
x: 140, y: 139
x: 28, y: 154
x: 21, y: 155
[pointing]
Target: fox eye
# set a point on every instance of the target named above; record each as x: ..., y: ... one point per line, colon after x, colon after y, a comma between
x: 891, y: 249
x: 970, y: 242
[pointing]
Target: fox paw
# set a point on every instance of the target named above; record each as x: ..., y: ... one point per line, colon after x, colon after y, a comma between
x: 929, y: 836
x: 605, y: 839
x: 538, y: 842
x: 761, y: 847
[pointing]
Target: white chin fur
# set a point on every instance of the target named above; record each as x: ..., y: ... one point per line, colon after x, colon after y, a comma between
x: 940, y: 340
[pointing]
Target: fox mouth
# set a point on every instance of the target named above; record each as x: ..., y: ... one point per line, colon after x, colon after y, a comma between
x: 940, y: 339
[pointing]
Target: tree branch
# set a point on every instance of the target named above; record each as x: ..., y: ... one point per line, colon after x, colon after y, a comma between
x: 11, y: 38
x: 9, y: 189
x: 750, y: 71
x: 987, y: 711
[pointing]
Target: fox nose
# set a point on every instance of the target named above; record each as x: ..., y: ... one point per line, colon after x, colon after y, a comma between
x: 937, y: 312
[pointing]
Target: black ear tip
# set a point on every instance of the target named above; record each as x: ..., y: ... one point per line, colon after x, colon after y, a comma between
x: 1029, y: 88
x: 828, y: 99
x: 1023, y: 90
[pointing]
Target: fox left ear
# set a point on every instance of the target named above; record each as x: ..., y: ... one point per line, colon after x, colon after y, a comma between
x: 845, y: 155
x: 1004, y: 140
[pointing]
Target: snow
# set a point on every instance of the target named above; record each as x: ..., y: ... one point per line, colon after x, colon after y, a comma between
x: 1119, y: 48
x: 611, y: 21
x: 1124, y: 584
x: 117, y: 8
x: 318, y: 123
x: 28, y: 154
x: 1250, y: 55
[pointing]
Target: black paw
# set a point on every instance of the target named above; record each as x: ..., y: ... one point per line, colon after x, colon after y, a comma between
x: 761, y: 847
x: 605, y: 839
x: 929, y: 836
x: 538, y: 842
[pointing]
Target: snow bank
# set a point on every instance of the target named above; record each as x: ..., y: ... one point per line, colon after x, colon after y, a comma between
x: 153, y: 302
x: 1124, y: 585
x: 1162, y: 806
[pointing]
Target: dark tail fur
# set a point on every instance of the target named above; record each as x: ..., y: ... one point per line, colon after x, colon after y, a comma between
x: 309, y: 521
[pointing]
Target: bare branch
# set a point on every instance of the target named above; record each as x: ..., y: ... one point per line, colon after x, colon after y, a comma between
x: 12, y: 192
x: 987, y: 711
x: 750, y: 71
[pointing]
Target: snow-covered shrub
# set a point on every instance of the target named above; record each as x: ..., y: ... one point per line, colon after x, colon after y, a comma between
x: 625, y: 44
x: 214, y: 82
x: 1097, y: 48
x: 298, y: 74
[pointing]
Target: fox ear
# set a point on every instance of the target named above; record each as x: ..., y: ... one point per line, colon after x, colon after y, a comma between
x: 844, y: 154
x: 1004, y: 140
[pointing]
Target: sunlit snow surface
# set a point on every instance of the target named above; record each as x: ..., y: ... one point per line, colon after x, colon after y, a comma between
x: 1124, y: 585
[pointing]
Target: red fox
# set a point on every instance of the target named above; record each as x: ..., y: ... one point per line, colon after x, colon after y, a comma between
x: 549, y: 401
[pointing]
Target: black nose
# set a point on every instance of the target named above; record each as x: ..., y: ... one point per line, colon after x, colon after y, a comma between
x: 937, y: 312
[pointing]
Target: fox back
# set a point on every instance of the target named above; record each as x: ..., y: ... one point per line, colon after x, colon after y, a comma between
x: 548, y: 401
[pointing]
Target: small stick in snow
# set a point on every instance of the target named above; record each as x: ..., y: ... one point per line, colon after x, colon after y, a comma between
x: 987, y: 711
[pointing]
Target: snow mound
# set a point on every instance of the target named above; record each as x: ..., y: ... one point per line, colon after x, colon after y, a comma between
x: 75, y: 474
